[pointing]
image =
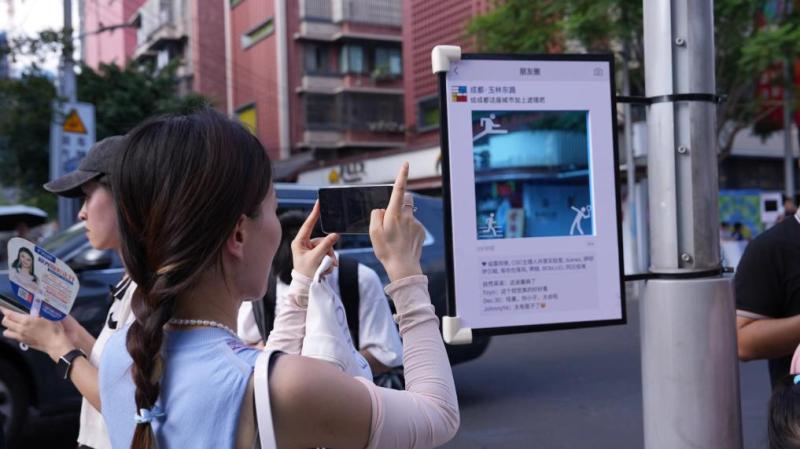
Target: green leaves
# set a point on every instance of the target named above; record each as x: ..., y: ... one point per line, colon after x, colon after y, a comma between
x: 771, y: 44
x: 751, y: 36
x: 552, y: 26
x: 519, y: 26
x: 122, y: 96
x: 25, y: 129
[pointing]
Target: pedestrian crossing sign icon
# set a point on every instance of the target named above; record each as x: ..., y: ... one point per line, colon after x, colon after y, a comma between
x: 73, y: 123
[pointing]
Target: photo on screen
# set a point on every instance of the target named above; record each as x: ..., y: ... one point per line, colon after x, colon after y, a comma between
x: 532, y: 174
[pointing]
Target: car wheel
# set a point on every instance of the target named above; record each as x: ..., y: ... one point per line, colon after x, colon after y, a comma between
x: 14, y: 401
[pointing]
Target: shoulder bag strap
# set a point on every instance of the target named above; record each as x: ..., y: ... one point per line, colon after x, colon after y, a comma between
x: 349, y: 291
x: 266, y: 432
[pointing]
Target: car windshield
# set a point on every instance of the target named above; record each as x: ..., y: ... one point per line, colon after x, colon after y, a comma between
x: 58, y: 240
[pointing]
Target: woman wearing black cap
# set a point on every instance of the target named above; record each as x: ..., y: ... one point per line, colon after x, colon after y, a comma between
x: 71, y: 346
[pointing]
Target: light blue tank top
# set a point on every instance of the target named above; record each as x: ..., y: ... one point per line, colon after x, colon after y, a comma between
x: 207, y: 371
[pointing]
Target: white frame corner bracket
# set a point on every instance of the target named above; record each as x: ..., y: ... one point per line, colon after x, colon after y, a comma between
x: 443, y: 55
x: 453, y: 333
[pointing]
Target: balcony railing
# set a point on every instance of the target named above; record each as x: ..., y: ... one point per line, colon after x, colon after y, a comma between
x: 161, y: 21
x: 375, y: 12
x: 335, y: 84
x: 349, y: 139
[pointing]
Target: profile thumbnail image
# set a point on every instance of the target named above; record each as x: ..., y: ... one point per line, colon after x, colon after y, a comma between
x: 532, y: 174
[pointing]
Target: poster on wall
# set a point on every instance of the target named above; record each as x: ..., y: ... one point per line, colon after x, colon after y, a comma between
x: 532, y: 205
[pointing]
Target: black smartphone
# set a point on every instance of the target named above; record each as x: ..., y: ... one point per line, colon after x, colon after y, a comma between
x: 347, y: 209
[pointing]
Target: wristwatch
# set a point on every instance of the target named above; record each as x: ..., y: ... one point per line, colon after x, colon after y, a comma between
x: 64, y: 365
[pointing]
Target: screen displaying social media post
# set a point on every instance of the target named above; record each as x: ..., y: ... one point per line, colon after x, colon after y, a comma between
x: 532, y: 193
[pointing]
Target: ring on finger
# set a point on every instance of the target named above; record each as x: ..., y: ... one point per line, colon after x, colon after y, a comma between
x: 413, y: 207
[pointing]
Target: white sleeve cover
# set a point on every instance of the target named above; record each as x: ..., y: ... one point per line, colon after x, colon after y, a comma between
x: 290, y: 317
x: 426, y: 414
x: 377, y: 332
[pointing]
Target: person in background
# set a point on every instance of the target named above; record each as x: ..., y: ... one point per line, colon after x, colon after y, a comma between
x: 725, y: 231
x: 373, y: 330
x: 69, y: 345
x: 740, y: 232
x: 789, y: 207
x: 767, y: 291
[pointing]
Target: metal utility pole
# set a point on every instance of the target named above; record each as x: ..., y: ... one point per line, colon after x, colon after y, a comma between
x: 630, y: 160
x: 68, y: 85
x: 690, y: 373
x: 67, y: 91
x: 788, y: 146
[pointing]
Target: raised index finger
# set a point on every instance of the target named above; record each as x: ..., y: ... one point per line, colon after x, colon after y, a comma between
x: 308, y: 226
x: 398, y: 192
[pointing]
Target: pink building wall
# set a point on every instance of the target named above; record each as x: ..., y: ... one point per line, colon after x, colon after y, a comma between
x: 427, y: 24
x: 294, y: 60
x: 255, y: 72
x: 207, y: 42
x: 109, y: 47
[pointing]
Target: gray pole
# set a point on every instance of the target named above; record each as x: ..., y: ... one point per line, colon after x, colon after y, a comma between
x: 67, y: 207
x: 690, y: 374
x: 788, y: 146
x: 68, y: 88
x: 630, y: 163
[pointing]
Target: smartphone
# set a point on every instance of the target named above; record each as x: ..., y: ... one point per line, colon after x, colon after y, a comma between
x: 347, y: 209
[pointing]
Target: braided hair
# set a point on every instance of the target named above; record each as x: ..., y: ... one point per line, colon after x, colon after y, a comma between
x: 180, y: 186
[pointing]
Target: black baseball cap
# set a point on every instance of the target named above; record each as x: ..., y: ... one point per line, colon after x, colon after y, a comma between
x: 98, y: 162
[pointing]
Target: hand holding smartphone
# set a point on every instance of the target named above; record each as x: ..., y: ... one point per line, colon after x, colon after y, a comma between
x: 347, y: 209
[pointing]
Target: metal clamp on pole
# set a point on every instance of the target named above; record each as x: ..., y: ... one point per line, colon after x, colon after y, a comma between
x: 646, y: 101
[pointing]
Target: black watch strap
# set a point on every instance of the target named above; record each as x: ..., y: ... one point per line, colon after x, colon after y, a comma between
x: 64, y: 365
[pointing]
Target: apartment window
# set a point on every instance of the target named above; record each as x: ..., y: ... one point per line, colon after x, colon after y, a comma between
x: 352, y: 59
x: 374, y: 112
x: 322, y: 112
x: 317, y: 59
x: 388, y: 62
x: 258, y: 33
x: 247, y: 116
x: 428, y: 114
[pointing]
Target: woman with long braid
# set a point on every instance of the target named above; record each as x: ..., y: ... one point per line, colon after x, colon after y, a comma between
x: 198, y: 228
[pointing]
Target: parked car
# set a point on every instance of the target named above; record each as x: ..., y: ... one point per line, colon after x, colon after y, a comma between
x: 29, y: 386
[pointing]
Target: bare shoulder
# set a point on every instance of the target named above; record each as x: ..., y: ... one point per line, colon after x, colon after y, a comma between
x: 314, y: 404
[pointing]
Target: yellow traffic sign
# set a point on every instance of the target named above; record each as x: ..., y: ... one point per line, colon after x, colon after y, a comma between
x: 73, y: 123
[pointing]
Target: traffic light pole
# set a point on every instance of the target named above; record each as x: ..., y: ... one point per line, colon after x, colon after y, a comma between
x: 690, y: 377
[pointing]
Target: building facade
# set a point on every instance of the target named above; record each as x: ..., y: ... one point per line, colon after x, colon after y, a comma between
x: 190, y: 33
x: 105, y: 40
x: 318, y: 76
x: 425, y: 25
x: 428, y: 24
